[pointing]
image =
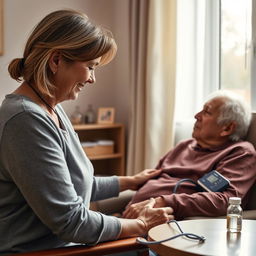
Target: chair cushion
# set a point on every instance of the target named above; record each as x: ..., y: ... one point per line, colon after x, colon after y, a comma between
x: 251, y: 135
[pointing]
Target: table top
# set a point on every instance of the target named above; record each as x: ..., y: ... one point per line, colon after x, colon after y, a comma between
x: 218, y: 240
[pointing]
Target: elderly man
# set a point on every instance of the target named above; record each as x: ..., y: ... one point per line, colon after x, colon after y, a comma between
x: 216, y: 145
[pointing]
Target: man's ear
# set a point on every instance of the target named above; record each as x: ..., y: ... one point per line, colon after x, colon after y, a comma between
x: 54, y: 61
x: 228, y: 129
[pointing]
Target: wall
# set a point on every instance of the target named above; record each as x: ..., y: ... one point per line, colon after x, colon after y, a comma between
x: 112, y: 81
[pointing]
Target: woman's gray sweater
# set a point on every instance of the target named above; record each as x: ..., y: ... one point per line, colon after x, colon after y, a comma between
x: 47, y: 183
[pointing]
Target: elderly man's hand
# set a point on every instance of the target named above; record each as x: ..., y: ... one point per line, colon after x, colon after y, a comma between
x: 134, y: 210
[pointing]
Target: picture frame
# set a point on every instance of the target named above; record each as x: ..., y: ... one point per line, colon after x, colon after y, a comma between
x: 1, y: 28
x: 106, y: 116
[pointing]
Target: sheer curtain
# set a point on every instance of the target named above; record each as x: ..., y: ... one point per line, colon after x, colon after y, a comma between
x: 153, y: 58
x: 161, y: 79
x: 197, y: 55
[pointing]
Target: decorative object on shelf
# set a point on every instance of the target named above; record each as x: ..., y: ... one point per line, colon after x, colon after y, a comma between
x: 106, y: 115
x: 89, y: 116
x: 76, y: 116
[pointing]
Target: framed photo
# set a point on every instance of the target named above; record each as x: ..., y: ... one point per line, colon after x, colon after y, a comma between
x: 106, y: 115
x: 1, y: 28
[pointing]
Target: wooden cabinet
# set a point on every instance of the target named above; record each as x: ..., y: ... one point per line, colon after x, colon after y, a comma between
x: 107, y: 164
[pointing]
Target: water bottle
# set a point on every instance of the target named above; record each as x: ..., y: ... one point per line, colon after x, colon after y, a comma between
x: 234, y: 215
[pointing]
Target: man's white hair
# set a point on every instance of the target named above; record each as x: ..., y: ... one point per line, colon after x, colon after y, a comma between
x: 234, y: 109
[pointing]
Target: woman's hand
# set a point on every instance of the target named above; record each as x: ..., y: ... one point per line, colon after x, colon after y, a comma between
x: 133, y: 211
x: 145, y: 175
x: 151, y: 216
x: 147, y: 218
x: 134, y: 182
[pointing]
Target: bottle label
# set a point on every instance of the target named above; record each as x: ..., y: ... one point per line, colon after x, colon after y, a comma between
x: 234, y: 222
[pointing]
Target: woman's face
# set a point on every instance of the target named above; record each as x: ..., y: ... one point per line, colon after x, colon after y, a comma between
x: 71, y: 78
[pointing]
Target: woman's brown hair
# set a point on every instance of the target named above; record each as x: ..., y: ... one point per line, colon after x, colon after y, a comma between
x: 69, y: 32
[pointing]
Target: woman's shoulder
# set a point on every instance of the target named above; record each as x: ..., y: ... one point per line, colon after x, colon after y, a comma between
x: 14, y: 104
x: 19, y: 111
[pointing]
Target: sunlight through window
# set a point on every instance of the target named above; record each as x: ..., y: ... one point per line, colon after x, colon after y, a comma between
x: 236, y: 47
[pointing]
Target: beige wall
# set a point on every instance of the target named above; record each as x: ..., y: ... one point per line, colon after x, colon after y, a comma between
x: 112, y: 81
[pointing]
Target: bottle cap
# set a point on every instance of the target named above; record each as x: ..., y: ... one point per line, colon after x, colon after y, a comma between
x: 235, y: 200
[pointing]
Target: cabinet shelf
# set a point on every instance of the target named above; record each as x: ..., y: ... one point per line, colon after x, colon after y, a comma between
x: 107, y: 164
x: 81, y: 127
x: 109, y: 156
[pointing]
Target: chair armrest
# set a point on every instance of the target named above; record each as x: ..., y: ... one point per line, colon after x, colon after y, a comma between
x: 128, y: 244
x: 249, y: 214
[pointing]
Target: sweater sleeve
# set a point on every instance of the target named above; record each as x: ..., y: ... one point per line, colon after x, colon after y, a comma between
x: 35, y: 162
x: 238, y: 167
x: 105, y: 187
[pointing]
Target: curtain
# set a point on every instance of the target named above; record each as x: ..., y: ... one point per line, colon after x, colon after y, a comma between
x: 138, y: 43
x: 161, y: 79
x: 152, y: 59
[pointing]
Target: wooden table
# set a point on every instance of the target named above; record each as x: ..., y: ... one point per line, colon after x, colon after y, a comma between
x: 218, y: 241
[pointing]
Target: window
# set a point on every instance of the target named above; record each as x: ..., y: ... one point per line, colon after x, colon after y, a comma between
x: 235, y: 46
x: 215, y: 42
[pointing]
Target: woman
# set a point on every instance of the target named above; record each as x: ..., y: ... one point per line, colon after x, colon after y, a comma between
x: 46, y: 181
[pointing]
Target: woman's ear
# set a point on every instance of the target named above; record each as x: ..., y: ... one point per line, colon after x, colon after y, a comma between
x: 54, y: 61
x: 228, y: 129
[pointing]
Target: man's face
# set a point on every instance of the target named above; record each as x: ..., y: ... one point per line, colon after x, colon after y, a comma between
x: 207, y: 132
